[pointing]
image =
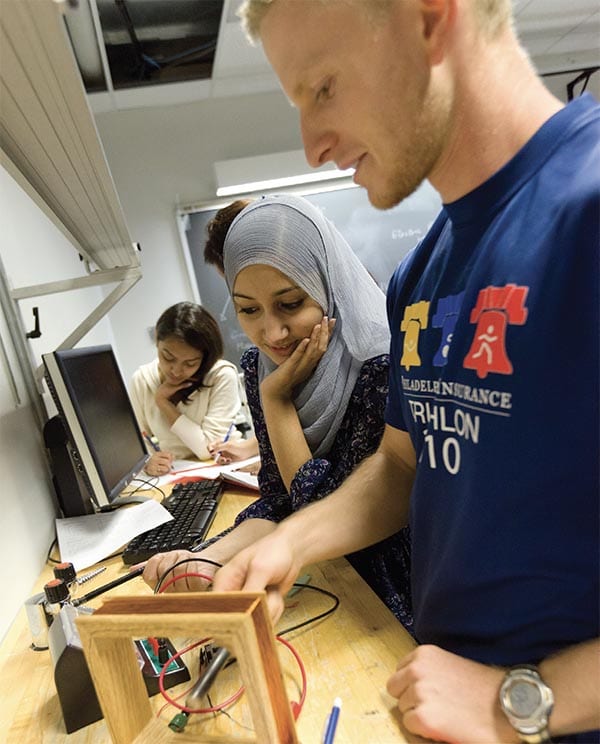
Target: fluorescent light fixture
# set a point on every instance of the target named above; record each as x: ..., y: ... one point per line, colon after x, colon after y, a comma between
x: 265, y: 172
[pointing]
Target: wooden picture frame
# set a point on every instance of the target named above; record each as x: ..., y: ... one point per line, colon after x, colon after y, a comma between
x: 237, y: 620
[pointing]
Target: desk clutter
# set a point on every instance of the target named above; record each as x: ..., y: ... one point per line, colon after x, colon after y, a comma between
x: 81, y: 670
x: 347, y: 651
x: 180, y: 521
x: 74, y: 685
x: 193, y: 506
x: 52, y: 617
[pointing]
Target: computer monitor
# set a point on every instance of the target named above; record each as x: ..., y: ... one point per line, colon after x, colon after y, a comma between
x: 102, y: 437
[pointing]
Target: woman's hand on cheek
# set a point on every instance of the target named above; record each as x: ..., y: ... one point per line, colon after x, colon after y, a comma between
x: 301, y: 363
x: 165, y: 390
x: 308, y: 354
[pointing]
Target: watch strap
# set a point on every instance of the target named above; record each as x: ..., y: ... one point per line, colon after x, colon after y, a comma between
x: 538, y: 738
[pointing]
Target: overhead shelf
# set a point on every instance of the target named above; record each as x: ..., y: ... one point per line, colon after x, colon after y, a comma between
x: 48, y: 136
x: 50, y: 145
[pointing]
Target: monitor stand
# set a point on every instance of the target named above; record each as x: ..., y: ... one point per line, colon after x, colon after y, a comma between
x: 120, y: 501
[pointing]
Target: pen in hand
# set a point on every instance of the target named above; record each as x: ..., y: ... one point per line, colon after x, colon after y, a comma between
x: 225, y: 439
x: 152, y: 442
x: 332, y: 722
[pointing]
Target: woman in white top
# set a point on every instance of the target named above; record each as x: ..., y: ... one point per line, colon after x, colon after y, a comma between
x: 188, y: 396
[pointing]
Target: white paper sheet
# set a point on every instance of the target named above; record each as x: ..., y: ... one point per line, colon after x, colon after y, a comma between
x: 86, y: 540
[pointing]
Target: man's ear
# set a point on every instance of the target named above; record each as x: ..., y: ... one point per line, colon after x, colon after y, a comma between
x: 438, y: 18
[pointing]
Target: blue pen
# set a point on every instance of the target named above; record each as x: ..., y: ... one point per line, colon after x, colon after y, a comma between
x: 332, y: 722
x: 226, y: 438
x: 151, y: 442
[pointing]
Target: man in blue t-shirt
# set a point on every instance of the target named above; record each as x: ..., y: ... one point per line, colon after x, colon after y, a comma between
x: 491, y: 442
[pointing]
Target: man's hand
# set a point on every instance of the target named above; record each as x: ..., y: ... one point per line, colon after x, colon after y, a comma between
x: 160, y: 566
x: 266, y: 565
x: 444, y: 697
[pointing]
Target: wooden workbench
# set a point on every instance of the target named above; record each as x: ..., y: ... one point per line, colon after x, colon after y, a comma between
x: 350, y: 654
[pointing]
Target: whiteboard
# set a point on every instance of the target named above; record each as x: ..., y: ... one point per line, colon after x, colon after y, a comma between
x: 379, y: 238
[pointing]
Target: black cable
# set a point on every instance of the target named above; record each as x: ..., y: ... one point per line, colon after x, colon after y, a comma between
x: 327, y: 593
x: 224, y: 712
x: 148, y: 482
x: 584, y: 76
x: 332, y: 609
x: 48, y: 558
x: 159, y: 583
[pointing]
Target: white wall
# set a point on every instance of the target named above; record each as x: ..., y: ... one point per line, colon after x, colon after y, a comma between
x: 163, y: 157
x: 33, y: 251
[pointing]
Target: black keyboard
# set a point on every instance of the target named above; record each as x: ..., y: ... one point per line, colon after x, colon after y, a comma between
x: 193, y: 506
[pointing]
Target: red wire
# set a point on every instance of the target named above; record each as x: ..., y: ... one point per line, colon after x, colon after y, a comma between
x: 174, y: 703
x: 189, y: 575
x: 296, y: 707
x: 300, y: 703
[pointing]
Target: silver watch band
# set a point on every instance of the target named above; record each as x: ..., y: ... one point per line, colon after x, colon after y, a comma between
x: 538, y: 738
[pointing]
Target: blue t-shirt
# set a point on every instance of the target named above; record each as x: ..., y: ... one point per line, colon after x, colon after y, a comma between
x: 494, y: 373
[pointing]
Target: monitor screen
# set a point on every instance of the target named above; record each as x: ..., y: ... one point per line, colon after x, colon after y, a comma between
x: 107, y: 447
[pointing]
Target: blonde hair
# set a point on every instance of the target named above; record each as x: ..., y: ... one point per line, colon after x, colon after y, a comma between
x: 251, y: 13
x: 492, y: 16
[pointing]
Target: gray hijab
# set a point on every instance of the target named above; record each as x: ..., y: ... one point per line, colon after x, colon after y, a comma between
x: 290, y: 234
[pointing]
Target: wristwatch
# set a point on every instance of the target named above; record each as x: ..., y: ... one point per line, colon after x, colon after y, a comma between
x: 527, y: 702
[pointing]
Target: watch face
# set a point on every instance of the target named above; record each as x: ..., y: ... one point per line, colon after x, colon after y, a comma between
x: 527, y: 702
x: 525, y: 699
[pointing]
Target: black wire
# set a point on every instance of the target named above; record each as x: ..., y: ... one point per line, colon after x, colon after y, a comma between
x: 148, y: 482
x: 224, y: 712
x: 159, y: 583
x: 327, y: 593
x: 584, y: 76
x: 332, y: 609
x: 48, y: 558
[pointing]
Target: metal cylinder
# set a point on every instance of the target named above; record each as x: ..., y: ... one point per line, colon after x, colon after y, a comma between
x: 38, y: 620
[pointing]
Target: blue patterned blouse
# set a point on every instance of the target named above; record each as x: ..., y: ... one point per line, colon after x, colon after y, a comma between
x: 384, y: 566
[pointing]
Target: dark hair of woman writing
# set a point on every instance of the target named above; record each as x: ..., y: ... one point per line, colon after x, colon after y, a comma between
x: 197, y: 328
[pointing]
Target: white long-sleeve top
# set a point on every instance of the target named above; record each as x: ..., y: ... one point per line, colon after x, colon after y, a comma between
x: 205, y: 418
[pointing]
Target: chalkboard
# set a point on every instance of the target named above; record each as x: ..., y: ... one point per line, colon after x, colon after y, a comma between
x: 379, y: 238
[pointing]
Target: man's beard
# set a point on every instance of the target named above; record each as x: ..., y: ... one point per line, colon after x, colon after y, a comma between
x: 420, y: 152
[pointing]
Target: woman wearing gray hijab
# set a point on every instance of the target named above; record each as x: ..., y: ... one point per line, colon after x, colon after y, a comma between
x: 316, y: 377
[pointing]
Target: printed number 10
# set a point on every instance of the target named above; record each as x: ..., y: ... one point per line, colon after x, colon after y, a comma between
x: 450, y: 453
